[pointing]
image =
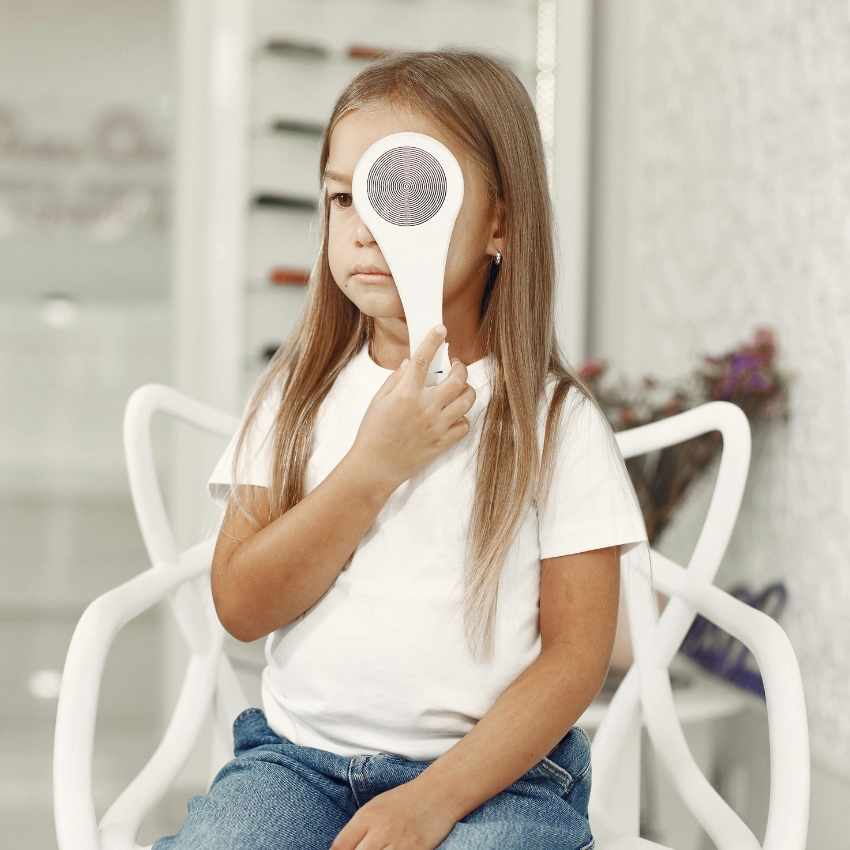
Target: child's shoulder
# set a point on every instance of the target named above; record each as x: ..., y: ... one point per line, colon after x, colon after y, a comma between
x: 267, y: 391
x: 565, y: 392
x: 573, y: 409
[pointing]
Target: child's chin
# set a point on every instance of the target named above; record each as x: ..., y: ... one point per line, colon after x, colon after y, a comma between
x: 379, y: 307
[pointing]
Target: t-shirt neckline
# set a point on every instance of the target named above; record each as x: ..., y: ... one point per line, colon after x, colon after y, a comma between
x: 477, y: 372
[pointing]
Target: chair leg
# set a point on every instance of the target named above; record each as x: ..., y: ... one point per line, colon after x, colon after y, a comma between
x: 624, y: 806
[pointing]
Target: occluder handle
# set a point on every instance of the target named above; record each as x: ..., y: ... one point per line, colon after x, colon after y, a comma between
x: 439, y: 367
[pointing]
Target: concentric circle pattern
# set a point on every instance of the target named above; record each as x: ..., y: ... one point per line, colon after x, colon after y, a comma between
x: 406, y: 186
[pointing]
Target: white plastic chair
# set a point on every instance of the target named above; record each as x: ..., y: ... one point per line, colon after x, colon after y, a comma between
x: 646, y: 689
x: 645, y: 693
x: 209, y: 676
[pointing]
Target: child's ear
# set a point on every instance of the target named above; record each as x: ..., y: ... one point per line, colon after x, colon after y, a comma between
x: 496, y: 229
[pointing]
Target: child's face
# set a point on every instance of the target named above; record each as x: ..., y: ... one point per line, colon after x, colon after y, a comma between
x: 356, y: 261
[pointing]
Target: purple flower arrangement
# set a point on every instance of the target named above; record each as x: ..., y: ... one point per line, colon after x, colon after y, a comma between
x: 747, y: 376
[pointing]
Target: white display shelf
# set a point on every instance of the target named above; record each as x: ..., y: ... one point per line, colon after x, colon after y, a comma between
x: 301, y: 58
x: 286, y: 163
x: 304, y: 91
x: 261, y: 285
x: 280, y: 237
x: 272, y: 314
x: 507, y: 28
x: 297, y: 89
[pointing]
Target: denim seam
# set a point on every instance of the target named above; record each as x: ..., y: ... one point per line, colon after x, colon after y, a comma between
x: 581, y: 776
x: 366, y: 780
x: 556, y: 770
x: 590, y: 845
x: 561, y: 776
x: 351, y: 781
x: 247, y: 713
x: 586, y: 770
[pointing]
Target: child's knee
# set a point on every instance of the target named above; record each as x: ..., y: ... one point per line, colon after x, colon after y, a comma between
x: 264, y: 801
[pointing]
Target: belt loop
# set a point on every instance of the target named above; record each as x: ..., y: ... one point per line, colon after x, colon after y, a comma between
x: 358, y: 781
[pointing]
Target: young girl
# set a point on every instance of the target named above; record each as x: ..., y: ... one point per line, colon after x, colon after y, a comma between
x: 440, y: 565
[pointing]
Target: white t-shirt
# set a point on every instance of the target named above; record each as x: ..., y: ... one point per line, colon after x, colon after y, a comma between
x: 380, y: 663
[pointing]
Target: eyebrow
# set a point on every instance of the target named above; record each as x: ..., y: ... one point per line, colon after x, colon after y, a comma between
x: 339, y: 178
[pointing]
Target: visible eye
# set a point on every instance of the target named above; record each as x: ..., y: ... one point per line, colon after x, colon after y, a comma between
x: 341, y: 199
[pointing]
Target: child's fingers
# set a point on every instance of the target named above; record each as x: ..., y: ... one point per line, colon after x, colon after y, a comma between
x: 424, y: 354
x: 451, y: 386
x: 460, y: 406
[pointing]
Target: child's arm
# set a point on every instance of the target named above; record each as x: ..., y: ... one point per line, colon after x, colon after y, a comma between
x: 263, y: 579
x: 578, y: 619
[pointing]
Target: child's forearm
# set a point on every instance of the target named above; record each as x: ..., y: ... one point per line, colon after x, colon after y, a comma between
x: 521, y: 727
x: 283, y: 569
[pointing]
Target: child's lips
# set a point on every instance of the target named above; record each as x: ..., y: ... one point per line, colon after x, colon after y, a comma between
x: 370, y: 274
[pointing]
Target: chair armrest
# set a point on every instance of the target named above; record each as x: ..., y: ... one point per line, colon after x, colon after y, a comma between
x: 731, y: 422
x: 141, y: 470
x: 788, y: 816
x: 76, y: 827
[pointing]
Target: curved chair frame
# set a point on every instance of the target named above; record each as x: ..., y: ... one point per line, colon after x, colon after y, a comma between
x: 175, y: 576
x: 208, y: 676
x: 646, y: 690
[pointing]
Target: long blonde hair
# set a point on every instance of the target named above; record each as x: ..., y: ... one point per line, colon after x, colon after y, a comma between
x: 482, y: 105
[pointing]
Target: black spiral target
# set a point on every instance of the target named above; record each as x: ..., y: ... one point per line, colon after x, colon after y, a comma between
x: 406, y: 186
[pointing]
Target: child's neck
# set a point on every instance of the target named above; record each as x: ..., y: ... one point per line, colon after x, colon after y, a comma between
x: 391, y: 345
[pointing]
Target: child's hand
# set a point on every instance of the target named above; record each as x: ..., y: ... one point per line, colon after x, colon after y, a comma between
x: 407, y: 424
x: 403, y: 818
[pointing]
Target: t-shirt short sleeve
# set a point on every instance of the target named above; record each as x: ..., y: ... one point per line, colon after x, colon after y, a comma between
x: 591, y: 502
x: 254, y: 467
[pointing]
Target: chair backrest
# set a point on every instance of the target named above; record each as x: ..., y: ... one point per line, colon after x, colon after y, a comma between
x: 191, y: 612
x: 646, y: 690
x: 208, y: 673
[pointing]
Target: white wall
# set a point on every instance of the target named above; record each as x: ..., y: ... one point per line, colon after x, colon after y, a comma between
x: 721, y: 201
x: 82, y: 210
x: 82, y: 213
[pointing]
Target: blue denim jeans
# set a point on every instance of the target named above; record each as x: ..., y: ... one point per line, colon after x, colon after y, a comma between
x: 276, y: 795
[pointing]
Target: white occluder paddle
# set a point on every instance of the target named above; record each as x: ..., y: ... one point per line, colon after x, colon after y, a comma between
x: 407, y: 190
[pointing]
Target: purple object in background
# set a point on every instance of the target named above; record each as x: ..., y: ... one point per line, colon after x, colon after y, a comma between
x: 744, y: 372
x: 725, y: 655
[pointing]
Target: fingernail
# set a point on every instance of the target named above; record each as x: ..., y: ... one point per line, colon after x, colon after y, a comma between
x: 441, y: 329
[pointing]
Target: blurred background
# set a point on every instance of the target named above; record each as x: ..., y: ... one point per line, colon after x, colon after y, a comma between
x: 158, y: 194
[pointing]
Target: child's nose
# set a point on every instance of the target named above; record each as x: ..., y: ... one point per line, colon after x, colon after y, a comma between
x: 362, y: 235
